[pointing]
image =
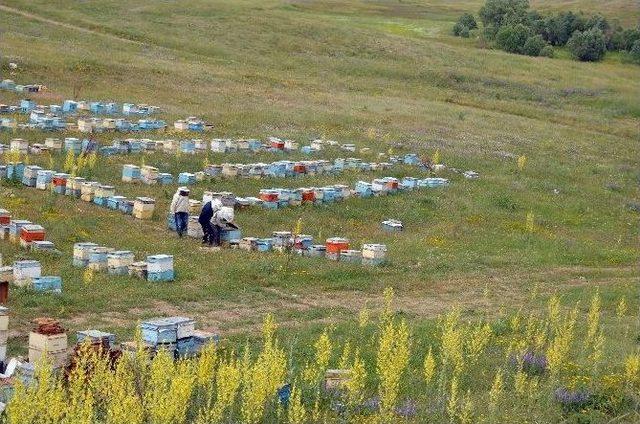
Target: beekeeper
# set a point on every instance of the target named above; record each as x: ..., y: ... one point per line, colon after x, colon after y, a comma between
x: 180, y: 209
x: 222, y: 219
x: 209, y: 207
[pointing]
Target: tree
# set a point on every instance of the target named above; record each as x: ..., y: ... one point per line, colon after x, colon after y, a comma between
x: 496, y: 13
x: 629, y: 37
x: 511, y: 38
x: 587, y: 46
x: 560, y: 27
x: 634, y: 53
x: 534, y: 45
x: 468, y: 20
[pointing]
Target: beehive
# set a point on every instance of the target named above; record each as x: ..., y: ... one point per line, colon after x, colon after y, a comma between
x: 96, y: 336
x: 138, y: 269
x: 5, y: 217
x: 81, y: 253
x: 98, y: 258
x: 130, y: 173
x: 335, y: 379
x: 30, y: 233
x: 349, y: 255
x: 143, y: 207
x: 160, y: 268
x: 49, y: 283
x: 25, y: 271
x: 334, y: 246
x: 118, y: 262
x: 54, y: 346
x: 248, y: 243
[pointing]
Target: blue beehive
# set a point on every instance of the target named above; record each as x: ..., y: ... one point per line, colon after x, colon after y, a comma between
x: 111, y: 108
x: 363, y: 189
x: 129, y: 109
x: 264, y: 245
x: 186, y: 178
x: 27, y: 105
x: 329, y: 194
x: 410, y: 182
x: 123, y: 125
x: 130, y: 172
x: 73, y: 144
x: 186, y: 347
x: 160, y: 268
x: 195, y: 126
x: 188, y: 146
x: 126, y: 206
x: 230, y: 234
x: 96, y: 336
x: 51, y: 284
x: 113, y: 202
x: 165, y: 179
x: 411, y: 159
x: 15, y: 171
x: 69, y: 106
x: 43, y: 178
x: 97, y: 107
x: 433, y: 182
x: 159, y: 331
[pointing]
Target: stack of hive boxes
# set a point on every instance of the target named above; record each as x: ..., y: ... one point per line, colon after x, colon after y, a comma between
x: 143, y: 207
x: 98, y: 258
x: 118, y: 262
x: 160, y: 268
x: 88, y: 190
x: 102, y: 194
x: 81, y: 254
x: 149, y: 174
x: 43, y: 179
x: 176, y: 335
x: 48, y: 338
x: 30, y: 175
x: 30, y: 233
x: 25, y: 271
x: 15, y: 228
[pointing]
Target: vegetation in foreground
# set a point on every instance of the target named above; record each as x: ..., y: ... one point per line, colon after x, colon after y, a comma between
x: 558, y: 366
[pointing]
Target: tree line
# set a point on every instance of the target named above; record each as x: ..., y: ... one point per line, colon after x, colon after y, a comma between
x: 512, y: 26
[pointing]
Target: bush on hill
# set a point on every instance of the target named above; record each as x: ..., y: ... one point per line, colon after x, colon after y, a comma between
x: 587, y: 46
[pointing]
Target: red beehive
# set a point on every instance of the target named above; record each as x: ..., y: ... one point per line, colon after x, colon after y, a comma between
x: 336, y: 245
x: 277, y: 144
x: 299, y: 168
x: 308, y: 195
x: 392, y: 185
x: 5, y: 217
x: 31, y: 233
x: 268, y: 196
x: 59, y: 181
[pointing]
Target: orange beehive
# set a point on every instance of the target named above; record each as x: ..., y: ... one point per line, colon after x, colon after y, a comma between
x: 29, y: 233
x: 277, y: 144
x: 308, y: 195
x: 299, y: 168
x: 336, y: 244
x: 5, y: 217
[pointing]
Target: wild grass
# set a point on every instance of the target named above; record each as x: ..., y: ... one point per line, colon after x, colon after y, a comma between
x: 342, y: 71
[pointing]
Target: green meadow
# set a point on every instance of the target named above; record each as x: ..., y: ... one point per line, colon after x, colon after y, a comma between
x: 383, y: 74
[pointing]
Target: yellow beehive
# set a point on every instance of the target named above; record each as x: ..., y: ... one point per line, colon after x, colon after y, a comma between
x: 143, y: 207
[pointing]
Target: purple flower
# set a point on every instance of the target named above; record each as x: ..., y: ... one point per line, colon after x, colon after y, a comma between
x: 572, y: 400
x: 408, y: 409
x: 534, y: 364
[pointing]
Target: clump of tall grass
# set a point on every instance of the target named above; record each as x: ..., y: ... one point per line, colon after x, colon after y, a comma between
x: 540, y: 367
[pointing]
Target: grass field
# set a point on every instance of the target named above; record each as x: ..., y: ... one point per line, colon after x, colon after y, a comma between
x: 374, y: 73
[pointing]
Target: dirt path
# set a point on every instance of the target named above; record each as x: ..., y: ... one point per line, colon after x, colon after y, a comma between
x: 49, y: 21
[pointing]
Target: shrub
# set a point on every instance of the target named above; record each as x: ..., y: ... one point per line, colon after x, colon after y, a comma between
x: 458, y: 28
x: 629, y: 37
x: 468, y: 20
x: 497, y: 13
x: 560, y: 27
x: 511, y: 38
x: 464, y: 32
x: 547, y: 51
x: 587, y: 46
x: 634, y: 53
x: 534, y: 45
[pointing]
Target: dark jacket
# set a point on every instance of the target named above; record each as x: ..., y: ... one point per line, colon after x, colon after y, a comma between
x: 206, y: 214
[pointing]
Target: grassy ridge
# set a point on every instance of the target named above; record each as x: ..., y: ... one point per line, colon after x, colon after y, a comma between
x: 372, y: 73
